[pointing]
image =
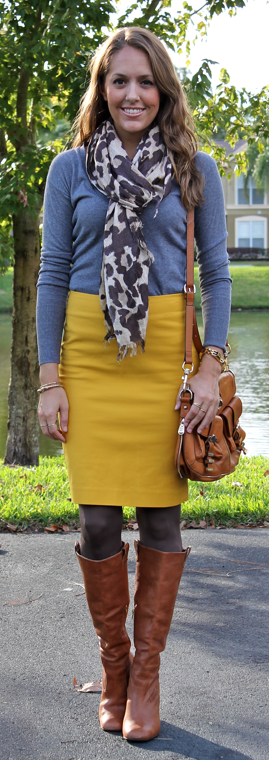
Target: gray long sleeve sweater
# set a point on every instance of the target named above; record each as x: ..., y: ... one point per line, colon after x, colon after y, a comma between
x: 73, y: 229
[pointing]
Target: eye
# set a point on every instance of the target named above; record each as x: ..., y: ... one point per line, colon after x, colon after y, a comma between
x: 147, y: 82
x: 118, y: 80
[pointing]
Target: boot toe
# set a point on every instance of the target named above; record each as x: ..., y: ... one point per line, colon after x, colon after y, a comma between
x: 134, y: 732
x: 111, y: 717
x: 109, y: 722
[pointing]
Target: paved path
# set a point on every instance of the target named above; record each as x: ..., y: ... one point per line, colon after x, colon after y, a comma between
x: 215, y: 670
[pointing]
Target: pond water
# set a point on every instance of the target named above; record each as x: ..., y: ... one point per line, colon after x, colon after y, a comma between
x: 249, y: 360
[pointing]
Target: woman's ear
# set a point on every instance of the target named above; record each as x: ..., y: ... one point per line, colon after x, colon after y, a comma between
x: 102, y: 92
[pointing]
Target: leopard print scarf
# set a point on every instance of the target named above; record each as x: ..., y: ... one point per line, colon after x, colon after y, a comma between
x: 130, y: 185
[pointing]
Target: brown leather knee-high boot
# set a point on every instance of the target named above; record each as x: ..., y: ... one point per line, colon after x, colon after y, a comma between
x: 107, y: 594
x: 158, y: 576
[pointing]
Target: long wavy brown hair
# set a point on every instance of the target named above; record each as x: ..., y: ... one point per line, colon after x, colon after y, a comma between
x: 173, y: 117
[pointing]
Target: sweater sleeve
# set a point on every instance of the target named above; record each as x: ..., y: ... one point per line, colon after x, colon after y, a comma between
x: 211, y: 235
x: 56, y: 256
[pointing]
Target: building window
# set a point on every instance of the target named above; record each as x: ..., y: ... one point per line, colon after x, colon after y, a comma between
x: 250, y: 196
x: 250, y: 233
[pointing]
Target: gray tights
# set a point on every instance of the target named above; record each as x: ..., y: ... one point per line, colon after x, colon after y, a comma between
x: 101, y: 529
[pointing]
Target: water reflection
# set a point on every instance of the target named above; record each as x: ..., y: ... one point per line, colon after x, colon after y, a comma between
x: 249, y: 360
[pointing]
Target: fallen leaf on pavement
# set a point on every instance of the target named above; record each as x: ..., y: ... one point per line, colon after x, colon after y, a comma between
x: 193, y: 524
x: 92, y: 686
x: 65, y: 528
x: 183, y: 525
x: 12, y: 528
x: 135, y: 526
x: 51, y: 529
x: 202, y: 524
x: 266, y: 524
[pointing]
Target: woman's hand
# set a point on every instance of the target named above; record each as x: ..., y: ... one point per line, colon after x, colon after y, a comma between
x: 205, y: 388
x: 51, y: 403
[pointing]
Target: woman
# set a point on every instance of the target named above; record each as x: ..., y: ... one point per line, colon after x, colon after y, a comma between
x: 115, y: 238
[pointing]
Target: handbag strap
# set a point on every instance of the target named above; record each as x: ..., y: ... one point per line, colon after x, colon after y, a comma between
x: 192, y: 332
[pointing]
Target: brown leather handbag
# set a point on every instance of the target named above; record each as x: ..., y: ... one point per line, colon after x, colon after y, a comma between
x: 215, y: 452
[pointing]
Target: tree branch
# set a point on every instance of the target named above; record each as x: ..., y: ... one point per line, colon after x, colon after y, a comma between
x: 151, y: 9
x: 22, y: 94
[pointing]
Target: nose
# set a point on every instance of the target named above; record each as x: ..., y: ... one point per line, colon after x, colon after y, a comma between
x: 132, y: 94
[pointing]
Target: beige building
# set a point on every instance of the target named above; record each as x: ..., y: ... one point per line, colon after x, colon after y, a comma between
x: 247, y: 212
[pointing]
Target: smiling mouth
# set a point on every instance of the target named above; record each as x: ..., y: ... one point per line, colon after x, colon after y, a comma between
x: 133, y: 111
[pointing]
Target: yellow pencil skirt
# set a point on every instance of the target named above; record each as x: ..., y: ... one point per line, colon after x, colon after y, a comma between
x: 122, y: 428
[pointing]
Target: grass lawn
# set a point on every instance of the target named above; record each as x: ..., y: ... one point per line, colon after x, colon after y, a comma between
x: 250, y: 288
x: 37, y: 497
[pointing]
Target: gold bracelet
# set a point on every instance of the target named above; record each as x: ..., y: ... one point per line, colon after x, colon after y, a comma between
x: 47, y: 387
x: 222, y: 359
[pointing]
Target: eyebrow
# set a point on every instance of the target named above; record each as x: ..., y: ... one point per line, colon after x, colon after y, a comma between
x: 142, y: 76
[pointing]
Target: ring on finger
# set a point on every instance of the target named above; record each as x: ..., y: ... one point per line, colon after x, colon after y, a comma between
x: 203, y: 410
x: 44, y: 425
x: 199, y: 405
x: 52, y: 423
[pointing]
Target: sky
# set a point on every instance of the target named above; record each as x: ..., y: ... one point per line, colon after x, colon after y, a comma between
x: 238, y: 44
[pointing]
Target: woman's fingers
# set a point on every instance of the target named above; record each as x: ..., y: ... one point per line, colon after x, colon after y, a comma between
x: 64, y: 409
x: 202, y: 416
x: 54, y: 402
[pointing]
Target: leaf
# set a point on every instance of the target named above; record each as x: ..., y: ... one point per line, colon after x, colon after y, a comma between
x: 202, y: 524
x: 266, y: 473
x: 91, y: 687
x: 39, y: 487
x: 193, y: 524
x: 183, y: 525
x: 12, y: 528
x: 66, y: 528
x: 135, y: 526
x: 266, y: 524
x: 51, y: 529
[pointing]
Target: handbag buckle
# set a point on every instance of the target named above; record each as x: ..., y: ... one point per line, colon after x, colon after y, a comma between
x: 190, y: 288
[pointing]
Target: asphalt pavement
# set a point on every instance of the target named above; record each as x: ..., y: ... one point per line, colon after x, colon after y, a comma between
x: 214, y: 674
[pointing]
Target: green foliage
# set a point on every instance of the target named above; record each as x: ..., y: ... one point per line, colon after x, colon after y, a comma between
x: 44, y: 49
x: 261, y: 167
x: 44, y: 46
x: 6, y: 245
x: 39, y: 496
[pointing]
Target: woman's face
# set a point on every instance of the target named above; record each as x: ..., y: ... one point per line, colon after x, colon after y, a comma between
x: 132, y: 96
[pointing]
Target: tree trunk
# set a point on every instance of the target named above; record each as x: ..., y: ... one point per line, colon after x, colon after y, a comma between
x: 22, y: 446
